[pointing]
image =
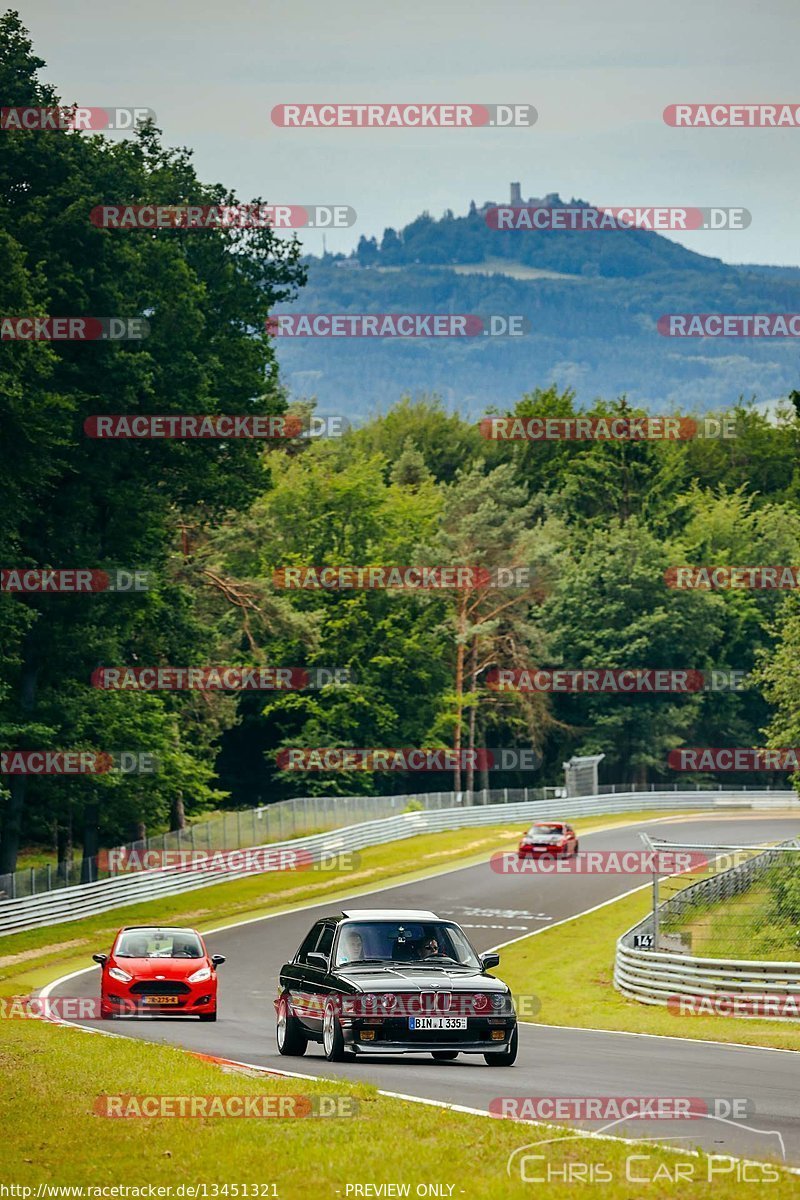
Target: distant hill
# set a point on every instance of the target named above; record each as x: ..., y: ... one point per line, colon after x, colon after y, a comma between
x: 592, y: 300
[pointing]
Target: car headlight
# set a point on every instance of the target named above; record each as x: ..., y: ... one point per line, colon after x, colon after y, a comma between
x: 118, y: 973
x: 498, y: 1001
x: 200, y: 976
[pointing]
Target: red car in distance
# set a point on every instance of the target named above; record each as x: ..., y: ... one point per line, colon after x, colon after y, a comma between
x: 158, y: 971
x: 549, y: 837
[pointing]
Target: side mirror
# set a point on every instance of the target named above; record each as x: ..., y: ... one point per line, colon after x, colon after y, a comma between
x: 489, y: 960
x: 317, y: 960
x: 218, y: 959
x: 100, y: 958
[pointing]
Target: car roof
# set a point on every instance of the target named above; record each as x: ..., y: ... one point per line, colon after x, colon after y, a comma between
x: 162, y: 928
x: 390, y: 914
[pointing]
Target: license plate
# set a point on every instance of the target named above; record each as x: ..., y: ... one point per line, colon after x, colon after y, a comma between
x: 437, y: 1022
x: 161, y: 1000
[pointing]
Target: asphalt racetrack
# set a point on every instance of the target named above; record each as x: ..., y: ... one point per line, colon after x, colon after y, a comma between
x: 553, y: 1061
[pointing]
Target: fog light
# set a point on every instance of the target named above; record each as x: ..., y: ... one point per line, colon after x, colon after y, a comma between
x: 498, y: 1035
x: 204, y: 1000
x: 367, y: 1035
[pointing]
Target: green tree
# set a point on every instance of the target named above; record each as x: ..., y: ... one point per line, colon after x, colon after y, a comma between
x: 80, y: 502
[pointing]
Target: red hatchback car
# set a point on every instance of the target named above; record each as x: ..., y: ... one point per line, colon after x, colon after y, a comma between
x: 158, y: 971
x: 549, y: 837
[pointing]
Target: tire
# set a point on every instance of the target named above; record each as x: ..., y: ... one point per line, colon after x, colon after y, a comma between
x: 212, y: 1016
x: 444, y: 1055
x: 504, y: 1058
x: 289, y: 1033
x: 575, y: 851
x: 333, y: 1038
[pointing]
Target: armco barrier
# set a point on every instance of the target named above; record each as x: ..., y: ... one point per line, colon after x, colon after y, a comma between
x: 88, y: 899
x: 656, y: 977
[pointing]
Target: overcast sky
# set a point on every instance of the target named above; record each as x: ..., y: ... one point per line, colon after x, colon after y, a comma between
x: 599, y: 74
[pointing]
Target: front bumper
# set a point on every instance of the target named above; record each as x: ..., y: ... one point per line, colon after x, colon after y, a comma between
x: 186, y: 1000
x: 392, y: 1036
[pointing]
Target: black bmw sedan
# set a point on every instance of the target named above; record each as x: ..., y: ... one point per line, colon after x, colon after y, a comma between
x: 385, y: 981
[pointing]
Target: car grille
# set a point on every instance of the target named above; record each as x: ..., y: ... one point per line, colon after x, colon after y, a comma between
x: 427, y: 1003
x: 160, y: 987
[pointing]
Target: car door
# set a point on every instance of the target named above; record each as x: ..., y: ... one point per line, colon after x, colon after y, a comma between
x: 294, y: 979
x: 317, y: 985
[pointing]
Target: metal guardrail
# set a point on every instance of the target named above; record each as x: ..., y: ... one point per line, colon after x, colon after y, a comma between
x: 300, y: 816
x: 88, y: 899
x: 660, y: 977
x: 241, y: 828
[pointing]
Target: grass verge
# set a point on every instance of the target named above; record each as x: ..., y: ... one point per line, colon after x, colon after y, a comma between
x: 52, y: 1136
x: 752, y: 925
x: 570, y: 970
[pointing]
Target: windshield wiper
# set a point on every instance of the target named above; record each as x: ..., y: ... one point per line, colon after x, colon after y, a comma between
x: 356, y: 962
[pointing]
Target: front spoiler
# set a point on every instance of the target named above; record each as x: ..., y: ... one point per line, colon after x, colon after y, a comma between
x: 482, y: 1047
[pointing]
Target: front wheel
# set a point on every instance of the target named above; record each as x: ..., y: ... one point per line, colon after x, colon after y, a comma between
x: 504, y: 1058
x: 444, y: 1055
x: 289, y: 1032
x: 333, y: 1038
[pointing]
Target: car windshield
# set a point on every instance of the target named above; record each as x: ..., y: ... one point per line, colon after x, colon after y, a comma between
x: 158, y: 943
x: 545, y: 831
x: 433, y: 942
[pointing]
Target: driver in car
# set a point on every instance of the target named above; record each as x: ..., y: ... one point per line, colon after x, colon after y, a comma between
x: 185, y: 950
x: 429, y: 948
x: 352, y: 947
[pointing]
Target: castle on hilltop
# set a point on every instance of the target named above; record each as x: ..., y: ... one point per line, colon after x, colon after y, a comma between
x: 551, y: 200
